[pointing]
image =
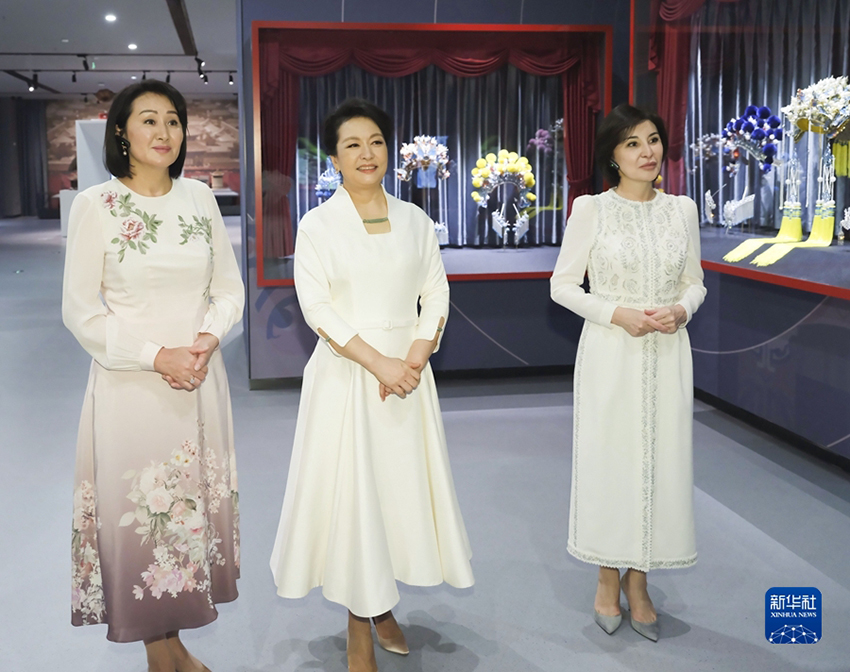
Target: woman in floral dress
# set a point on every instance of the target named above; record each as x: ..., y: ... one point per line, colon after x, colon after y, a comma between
x: 151, y: 287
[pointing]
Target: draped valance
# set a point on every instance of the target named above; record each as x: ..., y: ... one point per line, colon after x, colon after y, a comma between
x: 284, y: 54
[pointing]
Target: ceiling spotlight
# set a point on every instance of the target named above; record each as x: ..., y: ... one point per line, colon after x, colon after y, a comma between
x: 85, y: 61
x: 144, y: 75
x: 206, y: 80
x: 65, y: 40
x: 110, y: 17
x: 74, y: 77
x: 230, y: 79
x: 132, y: 47
x: 33, y: 82
x: 168, y: 77
x: 201, y: 63
x: 85, y: 98
x: 133, y: 77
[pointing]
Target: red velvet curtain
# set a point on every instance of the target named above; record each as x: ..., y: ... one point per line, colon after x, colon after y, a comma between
x: 285, y: 57
x: 279, y: 89
x: 670, y: 54
x: 582, y: 101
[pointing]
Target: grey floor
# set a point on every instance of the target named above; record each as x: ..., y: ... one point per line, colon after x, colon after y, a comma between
x: 766, y: 516
x: 505, y: 260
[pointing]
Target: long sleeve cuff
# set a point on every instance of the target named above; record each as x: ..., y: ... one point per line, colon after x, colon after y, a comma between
x: 427, y: 329
x: 148, y: 355
x: 214, y: 325
x: 606, y: 313
x: 691, y: 300
x: 337, y: 329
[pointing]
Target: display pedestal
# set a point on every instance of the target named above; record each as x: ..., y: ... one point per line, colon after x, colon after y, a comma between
x: 66, y: 197
x: 90, y: 168
x: 228, y: 201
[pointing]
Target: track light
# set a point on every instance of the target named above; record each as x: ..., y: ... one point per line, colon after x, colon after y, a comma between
x: 230, y: 78
x: 85, y: 61
x: 144, y: 75
x: 74, y: 77
x: 168, y: 77
x: 206, y: 80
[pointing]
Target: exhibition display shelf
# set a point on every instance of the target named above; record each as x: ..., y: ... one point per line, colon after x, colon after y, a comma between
x: 820, y: 270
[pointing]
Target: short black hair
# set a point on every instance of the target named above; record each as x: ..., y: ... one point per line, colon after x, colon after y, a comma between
x: 351, y: 109
x: 113, y: 156
x: 615, y: 128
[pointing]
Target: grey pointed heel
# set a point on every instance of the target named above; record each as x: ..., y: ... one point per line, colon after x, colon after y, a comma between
x: 608, y: 623
x: 648, y: 630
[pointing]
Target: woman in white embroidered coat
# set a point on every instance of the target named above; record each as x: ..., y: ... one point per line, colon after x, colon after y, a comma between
x: 369, y: 498
x: 631, y: 501
x: 155, y: 531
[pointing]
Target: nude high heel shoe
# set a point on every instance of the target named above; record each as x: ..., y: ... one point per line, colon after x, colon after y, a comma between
x: 397, y: 644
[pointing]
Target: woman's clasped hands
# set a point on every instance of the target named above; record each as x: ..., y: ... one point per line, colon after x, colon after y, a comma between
x: 185, y: 368
x: 397, y: 376
x: 666, y: 319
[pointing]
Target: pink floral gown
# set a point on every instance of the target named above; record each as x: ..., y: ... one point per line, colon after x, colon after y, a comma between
x: 155, y: 540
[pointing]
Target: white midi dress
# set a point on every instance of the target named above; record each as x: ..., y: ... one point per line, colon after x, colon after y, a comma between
x: 155, y: 535
x: 370, y: 498
x: 631, y: 502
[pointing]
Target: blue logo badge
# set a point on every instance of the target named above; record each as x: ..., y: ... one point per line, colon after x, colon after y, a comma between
x: 793, y: 615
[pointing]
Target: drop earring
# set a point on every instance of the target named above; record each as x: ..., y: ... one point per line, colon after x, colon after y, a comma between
x: 125, y: 145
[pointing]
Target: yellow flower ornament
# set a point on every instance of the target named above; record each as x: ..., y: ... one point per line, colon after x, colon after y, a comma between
x: 494, y: 170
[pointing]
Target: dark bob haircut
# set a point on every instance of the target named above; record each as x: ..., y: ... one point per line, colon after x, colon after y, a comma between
x: 615, y: 128
x: 351, y: 109
x: 119, y: 112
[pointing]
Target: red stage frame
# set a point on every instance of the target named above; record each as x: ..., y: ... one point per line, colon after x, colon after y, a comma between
x: 607, y: 33
x: 780, y: 280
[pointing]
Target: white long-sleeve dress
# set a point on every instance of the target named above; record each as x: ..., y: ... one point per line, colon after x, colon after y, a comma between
x: 631, y: 501
x: 370, y: 498
x: 155, y: 531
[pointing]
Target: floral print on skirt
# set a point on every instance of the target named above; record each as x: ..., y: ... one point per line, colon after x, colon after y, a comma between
x: 157, y: 547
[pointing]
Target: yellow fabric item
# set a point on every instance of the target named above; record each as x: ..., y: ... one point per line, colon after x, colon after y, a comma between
x: 841, y: 152
x: 823, y: 229
x: 790, y: 231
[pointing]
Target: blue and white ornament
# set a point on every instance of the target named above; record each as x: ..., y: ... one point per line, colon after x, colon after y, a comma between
x: 756, y: 133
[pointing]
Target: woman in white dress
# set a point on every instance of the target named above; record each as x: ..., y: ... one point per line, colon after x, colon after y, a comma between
x: 369, y: 498
x: 631, y: 500
x: 151, y: 287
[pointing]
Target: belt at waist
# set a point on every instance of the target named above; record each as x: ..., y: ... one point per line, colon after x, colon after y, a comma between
x: 386, y: 325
